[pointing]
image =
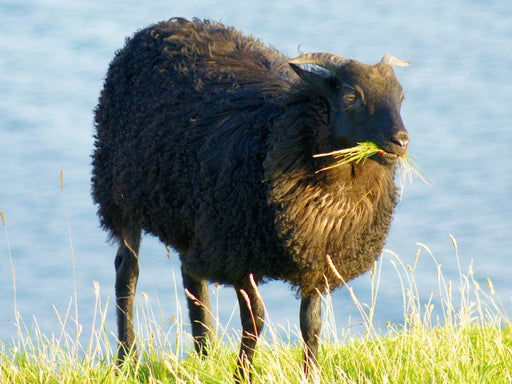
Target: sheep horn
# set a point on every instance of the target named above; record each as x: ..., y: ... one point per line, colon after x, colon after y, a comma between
x: 394, y: 62
x: 325, y: 60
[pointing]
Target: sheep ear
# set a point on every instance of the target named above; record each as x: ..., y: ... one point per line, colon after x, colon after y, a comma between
x: 322, y: 82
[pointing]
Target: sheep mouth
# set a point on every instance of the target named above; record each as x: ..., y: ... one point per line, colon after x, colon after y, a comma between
x: 387, y: 156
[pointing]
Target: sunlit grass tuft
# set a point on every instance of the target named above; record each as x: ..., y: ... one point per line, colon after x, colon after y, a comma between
x: 357, y: 154
x: 407, y: 166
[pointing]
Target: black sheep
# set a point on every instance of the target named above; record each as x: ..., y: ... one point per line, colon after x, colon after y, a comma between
x: 205, y: 138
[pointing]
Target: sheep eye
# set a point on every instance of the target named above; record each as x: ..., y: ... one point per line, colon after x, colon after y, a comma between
x: 349, y: 98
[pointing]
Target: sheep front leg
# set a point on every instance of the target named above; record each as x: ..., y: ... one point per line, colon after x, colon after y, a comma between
x: 127, y: 274
x: 311, y: 326
x: 252, y: 313
x: 198, y: 300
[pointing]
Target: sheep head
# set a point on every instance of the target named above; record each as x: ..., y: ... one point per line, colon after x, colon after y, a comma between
x: 364, y: 100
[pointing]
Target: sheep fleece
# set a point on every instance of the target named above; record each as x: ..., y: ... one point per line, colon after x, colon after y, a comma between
x: 205, y: 139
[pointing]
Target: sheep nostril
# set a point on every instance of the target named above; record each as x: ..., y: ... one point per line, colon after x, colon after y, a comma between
x: 401, y: 139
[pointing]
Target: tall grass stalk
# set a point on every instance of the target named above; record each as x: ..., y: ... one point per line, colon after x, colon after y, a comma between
x: 71, y: 248
x: 17, y: 318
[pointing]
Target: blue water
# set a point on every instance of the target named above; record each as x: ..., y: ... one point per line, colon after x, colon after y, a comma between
x: 458, y: 110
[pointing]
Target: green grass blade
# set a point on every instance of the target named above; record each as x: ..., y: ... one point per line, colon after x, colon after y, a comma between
x: 362, y: 151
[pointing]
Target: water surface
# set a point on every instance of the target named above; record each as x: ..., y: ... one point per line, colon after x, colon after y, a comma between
x: 53, y: 58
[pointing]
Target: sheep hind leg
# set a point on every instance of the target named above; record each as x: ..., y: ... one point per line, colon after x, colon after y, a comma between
x: 252, y: 314
x: 311, y: 326
x: 127, y: 274
x: 198, y: 300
